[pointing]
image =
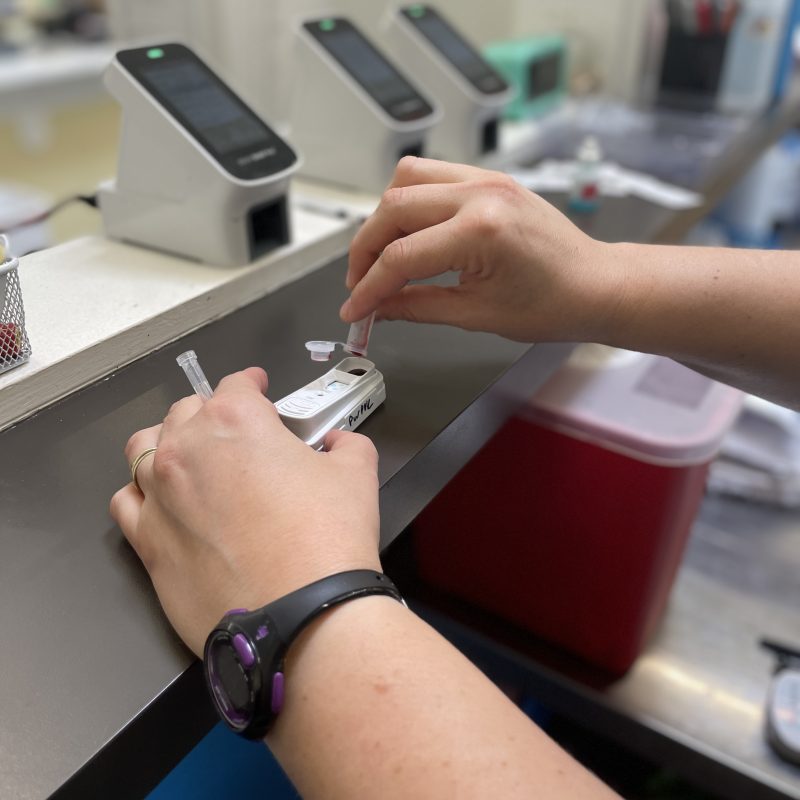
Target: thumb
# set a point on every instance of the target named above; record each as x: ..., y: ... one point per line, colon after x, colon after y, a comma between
x: 349, y: 445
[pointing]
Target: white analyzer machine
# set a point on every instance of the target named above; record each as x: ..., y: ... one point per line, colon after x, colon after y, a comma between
x: 354, y: 114
x: 469, y: 89
x: 199, y: 174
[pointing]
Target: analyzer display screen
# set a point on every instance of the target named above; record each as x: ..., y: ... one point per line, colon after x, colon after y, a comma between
x: 209, y: 111
x: 455, y: 48
x: 207, y: 107
x: 368, y: 67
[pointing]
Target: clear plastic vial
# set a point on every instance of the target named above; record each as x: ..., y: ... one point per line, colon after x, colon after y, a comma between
x: 194, y: 372
x: 358, y: 337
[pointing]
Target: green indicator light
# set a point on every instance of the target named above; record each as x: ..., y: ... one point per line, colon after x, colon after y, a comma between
x: 417, y: 10
x: 327, y: 25
x: 155, y: 52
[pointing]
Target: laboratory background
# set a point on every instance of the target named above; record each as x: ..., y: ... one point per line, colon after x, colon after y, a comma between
x: 612, y: 538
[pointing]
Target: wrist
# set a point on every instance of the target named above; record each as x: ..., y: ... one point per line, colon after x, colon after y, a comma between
x: 325, y: 639
x: 606, y: 293
x: 335, y: 644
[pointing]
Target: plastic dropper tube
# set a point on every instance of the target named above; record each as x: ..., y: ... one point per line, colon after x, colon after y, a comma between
x: 188, y: 363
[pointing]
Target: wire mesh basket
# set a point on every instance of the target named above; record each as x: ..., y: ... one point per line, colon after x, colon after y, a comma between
x: 15, y: 348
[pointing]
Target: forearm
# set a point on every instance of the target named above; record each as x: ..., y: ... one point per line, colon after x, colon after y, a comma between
x: 732, y: 314
x: 379, y: 705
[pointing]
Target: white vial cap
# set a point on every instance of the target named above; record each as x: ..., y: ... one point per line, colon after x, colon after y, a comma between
x: 321, y: 351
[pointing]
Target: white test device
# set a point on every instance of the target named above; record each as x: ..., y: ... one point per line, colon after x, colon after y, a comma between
x: 340, y: 400
x: 469, y: 89
x: 354, y: 114
x: 199, y: 174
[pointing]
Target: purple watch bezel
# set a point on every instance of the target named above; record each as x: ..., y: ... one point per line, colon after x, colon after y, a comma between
x: 220, y: 696
x: 258, y: 641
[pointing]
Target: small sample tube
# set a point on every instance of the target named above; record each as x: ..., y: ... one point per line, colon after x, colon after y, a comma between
x: 358, y: 337
x: 188, y: 363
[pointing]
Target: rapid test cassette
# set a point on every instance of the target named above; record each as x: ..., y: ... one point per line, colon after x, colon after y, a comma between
x: 340, y: 400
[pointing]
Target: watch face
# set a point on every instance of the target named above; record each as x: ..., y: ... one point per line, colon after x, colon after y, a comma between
x: 230, y: 684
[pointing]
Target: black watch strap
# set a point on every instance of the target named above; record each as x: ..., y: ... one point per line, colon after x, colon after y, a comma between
x: 294, y: 611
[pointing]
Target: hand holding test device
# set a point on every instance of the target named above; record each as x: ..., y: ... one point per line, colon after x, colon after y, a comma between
x: 340, y: 400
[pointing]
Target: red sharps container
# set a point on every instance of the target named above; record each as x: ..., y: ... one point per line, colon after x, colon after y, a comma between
x: 572, y: 521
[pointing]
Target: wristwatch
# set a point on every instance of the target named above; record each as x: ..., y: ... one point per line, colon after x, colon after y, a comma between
x: 244, y: 655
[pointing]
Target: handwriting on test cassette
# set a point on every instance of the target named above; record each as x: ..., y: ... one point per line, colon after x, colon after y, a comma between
x: 363, y: 408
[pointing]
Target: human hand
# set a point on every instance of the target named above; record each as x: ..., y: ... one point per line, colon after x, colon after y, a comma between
x: 525, y: 271
x: 234, y: 511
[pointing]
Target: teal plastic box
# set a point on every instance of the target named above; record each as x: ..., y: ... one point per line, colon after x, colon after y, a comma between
x: 537, y: 69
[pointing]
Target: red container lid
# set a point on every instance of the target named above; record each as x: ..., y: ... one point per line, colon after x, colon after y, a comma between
x: 648, y: 407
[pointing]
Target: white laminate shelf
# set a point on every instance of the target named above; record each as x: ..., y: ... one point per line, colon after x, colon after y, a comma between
x: 93, y: 305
